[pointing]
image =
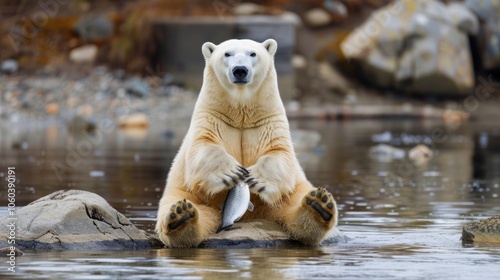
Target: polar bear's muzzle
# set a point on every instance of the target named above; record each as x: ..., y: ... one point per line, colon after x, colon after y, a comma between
x: 240, y: 75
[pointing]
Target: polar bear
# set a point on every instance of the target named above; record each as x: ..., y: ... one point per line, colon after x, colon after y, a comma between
x: 239, y: 132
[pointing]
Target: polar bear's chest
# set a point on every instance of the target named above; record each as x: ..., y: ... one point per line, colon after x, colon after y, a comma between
x: 245, y: 145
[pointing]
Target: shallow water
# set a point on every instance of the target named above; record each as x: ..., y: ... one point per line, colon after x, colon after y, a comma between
x: 404, y: 221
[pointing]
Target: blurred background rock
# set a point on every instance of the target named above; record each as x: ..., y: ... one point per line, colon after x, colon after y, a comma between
x: 347, y: 58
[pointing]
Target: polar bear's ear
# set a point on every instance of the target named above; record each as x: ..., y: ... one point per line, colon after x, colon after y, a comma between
x: 271, y: 46
x: 207, y: 49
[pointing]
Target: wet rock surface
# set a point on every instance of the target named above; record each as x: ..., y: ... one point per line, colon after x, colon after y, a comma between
x: 81, y: 220
x: 487, y: 230
x: 261, y: 234
x: 75, y: 220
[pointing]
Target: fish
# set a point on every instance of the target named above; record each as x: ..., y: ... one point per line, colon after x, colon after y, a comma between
x: 236, y: 204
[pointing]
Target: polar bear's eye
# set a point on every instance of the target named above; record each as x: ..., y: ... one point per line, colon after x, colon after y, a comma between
x: 253, y: 54
x: 227, y: 54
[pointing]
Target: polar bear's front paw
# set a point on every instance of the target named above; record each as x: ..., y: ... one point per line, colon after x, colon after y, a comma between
x: 224, y: 179
x: 181, y: 213
x: 254, y: 185
x: 266, y: 190
x: 321, y: 202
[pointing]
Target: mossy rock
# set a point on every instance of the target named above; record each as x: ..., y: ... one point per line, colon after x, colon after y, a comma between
x: 487, y: 231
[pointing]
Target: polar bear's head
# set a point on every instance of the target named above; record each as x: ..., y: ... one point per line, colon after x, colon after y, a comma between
x: 240, y: 64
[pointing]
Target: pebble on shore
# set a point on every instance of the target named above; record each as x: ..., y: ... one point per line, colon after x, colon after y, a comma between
x: 137, y: 120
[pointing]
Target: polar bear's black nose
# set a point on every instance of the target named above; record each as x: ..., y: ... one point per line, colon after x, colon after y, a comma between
x: 240, y: 72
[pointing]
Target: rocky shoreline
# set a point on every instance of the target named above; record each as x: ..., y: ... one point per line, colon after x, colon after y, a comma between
x: 105, y: 96
x: 101, y: 95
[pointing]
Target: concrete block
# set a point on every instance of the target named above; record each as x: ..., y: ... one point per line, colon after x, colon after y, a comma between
x: 180, y: 39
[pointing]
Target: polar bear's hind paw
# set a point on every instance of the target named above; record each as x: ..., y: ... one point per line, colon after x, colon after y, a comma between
x: 321, y: 201
x: 180, y: 212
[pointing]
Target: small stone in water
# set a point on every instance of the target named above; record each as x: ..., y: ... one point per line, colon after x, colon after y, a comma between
x: 20, y: 145
x: 383, y: 173
x: 96, y: 173
x: 431, y: 174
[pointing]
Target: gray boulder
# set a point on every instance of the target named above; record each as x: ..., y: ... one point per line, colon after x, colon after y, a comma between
x: 94, y: 28
x: 488, y: 11
x: 74, y: 220
x: 414, y: 46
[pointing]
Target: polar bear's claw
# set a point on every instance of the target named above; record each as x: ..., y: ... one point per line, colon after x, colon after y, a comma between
x: 245, y: 172
x: 238, y: 176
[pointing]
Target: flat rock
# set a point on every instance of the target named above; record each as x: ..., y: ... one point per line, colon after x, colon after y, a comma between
x: 74, y: 220
x: 262, y: 234
x: 487, y: 230
x: 81, y: 220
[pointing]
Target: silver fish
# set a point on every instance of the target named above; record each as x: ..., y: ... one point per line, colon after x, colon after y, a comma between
x: 236, y: 204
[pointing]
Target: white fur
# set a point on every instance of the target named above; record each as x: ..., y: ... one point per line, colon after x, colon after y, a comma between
x: 238, y: 124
